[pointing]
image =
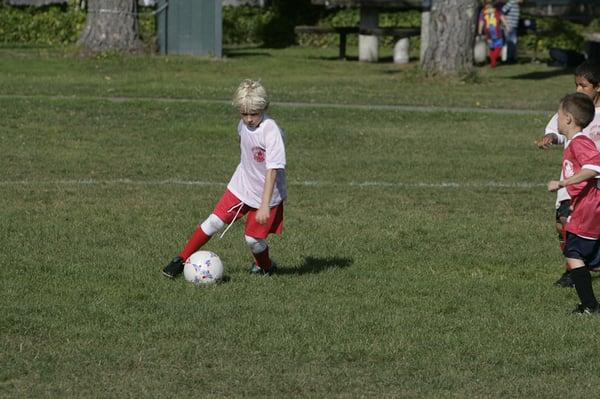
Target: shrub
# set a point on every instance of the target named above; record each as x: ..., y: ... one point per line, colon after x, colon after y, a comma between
x: 48, y: 25
x: 554, y: 33
x: 245, y: 25
x: 55, y: 25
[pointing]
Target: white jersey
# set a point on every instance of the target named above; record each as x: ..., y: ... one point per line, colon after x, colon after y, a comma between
x: 592, y: 131
x: 262, y: 148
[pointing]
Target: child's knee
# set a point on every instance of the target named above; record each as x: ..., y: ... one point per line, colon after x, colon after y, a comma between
x: 256, y: 245
x: 212, y: 225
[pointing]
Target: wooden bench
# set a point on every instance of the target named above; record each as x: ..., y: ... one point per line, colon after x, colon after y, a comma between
x: 397, y: 33
x: 320, y: 30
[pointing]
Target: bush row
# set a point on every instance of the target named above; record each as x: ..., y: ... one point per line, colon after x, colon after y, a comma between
x: 49, y: 25
x: 55, y: 25
x: 62, y: 25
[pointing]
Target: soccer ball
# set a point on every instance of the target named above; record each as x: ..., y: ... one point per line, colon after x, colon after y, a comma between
x: 203, y: 267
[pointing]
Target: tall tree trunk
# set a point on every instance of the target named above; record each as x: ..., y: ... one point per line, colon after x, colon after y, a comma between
x: 111, y: 25
x: 451, y: 37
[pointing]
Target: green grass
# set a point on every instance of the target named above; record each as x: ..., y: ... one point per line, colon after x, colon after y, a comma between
x: 308, y: 75
x: 417, y: 258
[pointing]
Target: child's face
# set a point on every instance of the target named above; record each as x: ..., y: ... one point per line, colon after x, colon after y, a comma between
x: 583, y: 86
x: 564, y: 120
x: 252, y: 120
x: 561, y: 120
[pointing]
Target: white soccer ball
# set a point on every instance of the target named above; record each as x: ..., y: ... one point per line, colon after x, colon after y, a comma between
x: 203, y: 267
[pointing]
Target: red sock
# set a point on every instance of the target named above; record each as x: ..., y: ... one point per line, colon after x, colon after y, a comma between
x: 198, y: 239
x: 262, y: 259
x: 494, y: 53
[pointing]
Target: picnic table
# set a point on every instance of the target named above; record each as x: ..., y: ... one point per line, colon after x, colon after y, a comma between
x: 398, y: 33
x: 368, y: 28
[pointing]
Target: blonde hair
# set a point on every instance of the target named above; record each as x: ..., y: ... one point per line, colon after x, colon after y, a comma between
x: 251, y: 97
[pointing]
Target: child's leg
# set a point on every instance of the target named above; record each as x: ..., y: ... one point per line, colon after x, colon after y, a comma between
x: 583, y: 283
x: 260, y: 252
x: 227, y: 209
x: 561, y: 229
x: 494, y: 53
x: 578, y: 251
x: 212, y: 225
x: 562, y: 213
x: 256, y: 234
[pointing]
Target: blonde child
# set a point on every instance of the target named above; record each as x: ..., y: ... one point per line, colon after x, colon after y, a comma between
x: 256, y: 189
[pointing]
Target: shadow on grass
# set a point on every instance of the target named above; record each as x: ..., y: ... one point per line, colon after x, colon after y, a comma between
x: 354, y: 58
x: 332, y: 58
x: 313, y: 265
x: 242, y: 52
x: 540, y: 75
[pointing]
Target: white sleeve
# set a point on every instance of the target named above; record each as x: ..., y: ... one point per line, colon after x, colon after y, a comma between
x: 239, y: 127
x: 274, y: 146
x: 595, y: 168
x: 552, y: 128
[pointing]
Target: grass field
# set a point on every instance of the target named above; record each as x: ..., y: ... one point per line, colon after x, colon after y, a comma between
x: 417, y: 259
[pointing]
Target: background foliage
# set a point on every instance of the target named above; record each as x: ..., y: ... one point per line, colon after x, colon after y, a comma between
x: 48, y: 25
x: 554, y: 32
x: 272, y: 26
x: 245, y: 25
x: 56, y: 25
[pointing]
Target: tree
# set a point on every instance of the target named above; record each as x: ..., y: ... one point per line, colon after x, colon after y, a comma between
x: 451, y: 36
x: 111, y: 25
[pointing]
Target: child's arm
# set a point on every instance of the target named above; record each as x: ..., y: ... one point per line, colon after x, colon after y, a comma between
x: 549, y: 138
x: 582, y: 175
x: 262, y: 215
x: 551, y: 135
x: 545, y: 142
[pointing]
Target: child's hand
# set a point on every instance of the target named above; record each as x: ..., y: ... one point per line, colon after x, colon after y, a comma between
x: 545, y: 142
x: 262, y: 215
x: 553, y: 185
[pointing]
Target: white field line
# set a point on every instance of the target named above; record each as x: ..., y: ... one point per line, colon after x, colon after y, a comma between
x: 365, y: 184
x: 364, y: 107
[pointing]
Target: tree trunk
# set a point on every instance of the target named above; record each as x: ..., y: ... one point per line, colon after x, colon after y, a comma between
x: 111, y: 25
x: 451, y: 37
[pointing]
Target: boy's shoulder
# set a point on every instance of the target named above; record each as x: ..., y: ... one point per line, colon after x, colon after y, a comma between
x: 582, y: 143
x: 269, y: 124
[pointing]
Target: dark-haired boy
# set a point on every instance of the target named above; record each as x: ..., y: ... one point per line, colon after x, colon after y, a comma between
x: 580, y: 167
x: 587, y: 81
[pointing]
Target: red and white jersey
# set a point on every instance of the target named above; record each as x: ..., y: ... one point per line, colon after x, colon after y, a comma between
x: 592, y: 130
x: 581, y: 153
x: 262, y: 148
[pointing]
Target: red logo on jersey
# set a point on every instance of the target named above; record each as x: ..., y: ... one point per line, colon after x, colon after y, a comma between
x: 258, y: 154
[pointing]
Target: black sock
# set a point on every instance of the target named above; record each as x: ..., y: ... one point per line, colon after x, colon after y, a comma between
x: 583, y: 284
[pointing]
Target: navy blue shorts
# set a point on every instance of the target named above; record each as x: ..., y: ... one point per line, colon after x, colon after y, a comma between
x: 581, y: 248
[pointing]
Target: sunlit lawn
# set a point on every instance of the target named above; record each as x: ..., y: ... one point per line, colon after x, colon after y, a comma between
x: 417, y: 259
